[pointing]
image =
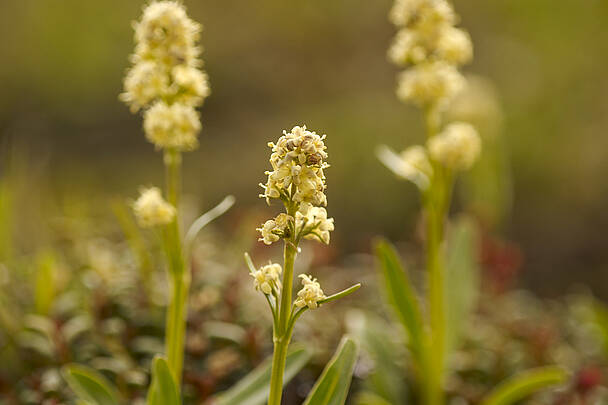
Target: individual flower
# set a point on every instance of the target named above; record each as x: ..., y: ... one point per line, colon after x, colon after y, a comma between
x: 456, y: 147
x: 412, y: 164
x: 145, y: 82
x: 166, y: 34
x: 193, y: 86
x: 172, y: 126
x: 152, y: 210
x: 314, y: 224
x: 433, y: 16
x: 433, y: 83
x: 297, y: 160
x: 404, y: 11
x: 454, y: 46
x: 310, y: 294
x: 275, y: 229
x: 267, y: 277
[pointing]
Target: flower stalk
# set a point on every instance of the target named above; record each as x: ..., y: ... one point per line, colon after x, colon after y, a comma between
x: 432, y: 49
x: 298, y: 180
x: 167, y: 84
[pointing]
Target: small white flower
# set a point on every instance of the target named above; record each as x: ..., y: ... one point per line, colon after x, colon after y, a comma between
x: 267, y: 277
x: 454, y: 46
x: 314, y: 223
x: 172, y: 126
x: 275, y: 229
x: 193, y: 84
x: 310, y: 294
x: 403, y: 11
x: 152, y: 210
x: 166, y: 34
x: 145, y: 82
x: 456, y: 147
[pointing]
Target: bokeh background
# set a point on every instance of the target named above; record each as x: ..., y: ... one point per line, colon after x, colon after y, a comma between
x: 72, y: 146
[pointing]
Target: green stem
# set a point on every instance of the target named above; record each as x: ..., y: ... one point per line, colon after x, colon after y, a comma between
x: 436, y: 206
x: 282, y: 331
x: 178, y: 272
x: 176, y: 323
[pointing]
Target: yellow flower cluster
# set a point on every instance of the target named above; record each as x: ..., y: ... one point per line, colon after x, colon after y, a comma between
x: 152, y: 210
x: 275, y: 229
x: 312, y: 223
x: 428, y: 40
x: 298, y: 161
x: 310, y: 294
x: 165, y: 78
x: 432, y: 49
x: 456, y: 147
x: 267, y: 277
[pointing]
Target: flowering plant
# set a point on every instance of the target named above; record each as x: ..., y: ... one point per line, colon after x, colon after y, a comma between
x: 166, y: 82
x: 432, y: 48
x: 297, y: 179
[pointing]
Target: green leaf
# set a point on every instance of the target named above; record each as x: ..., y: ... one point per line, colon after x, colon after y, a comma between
x: 89, y: 385
x: 525, y: 383
x: 340, y: 294
x: 369, y: 398
x: 254, y: 388
x: 386, y: 379
x: 332, y: 386
x: 401, y: 296
x: 163, y: 390
x: 462, y: 277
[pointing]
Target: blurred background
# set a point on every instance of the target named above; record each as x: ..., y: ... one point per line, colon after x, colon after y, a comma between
x: 73, y: 147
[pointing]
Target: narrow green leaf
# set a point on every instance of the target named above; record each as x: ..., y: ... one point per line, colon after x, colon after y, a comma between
x: 89, y: 385
x: 401, y: 296
x: 254, y: 388
x: 332, y: 386
x: 163, y: 390
x: 369, y: 398
x: 341, y: 294
x: 462, y: 276
x: 525, y: 383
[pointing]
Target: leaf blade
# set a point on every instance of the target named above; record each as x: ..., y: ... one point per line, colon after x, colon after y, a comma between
x: 525, y: 383
x: 332, y: 386
x: 401, y: 296
x: 89, y: 385
x: 163, y: 390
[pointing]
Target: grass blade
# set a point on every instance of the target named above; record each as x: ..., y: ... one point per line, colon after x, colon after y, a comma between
x: 332, y: 386
x: 525, y: 383
x: 401, y: 296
